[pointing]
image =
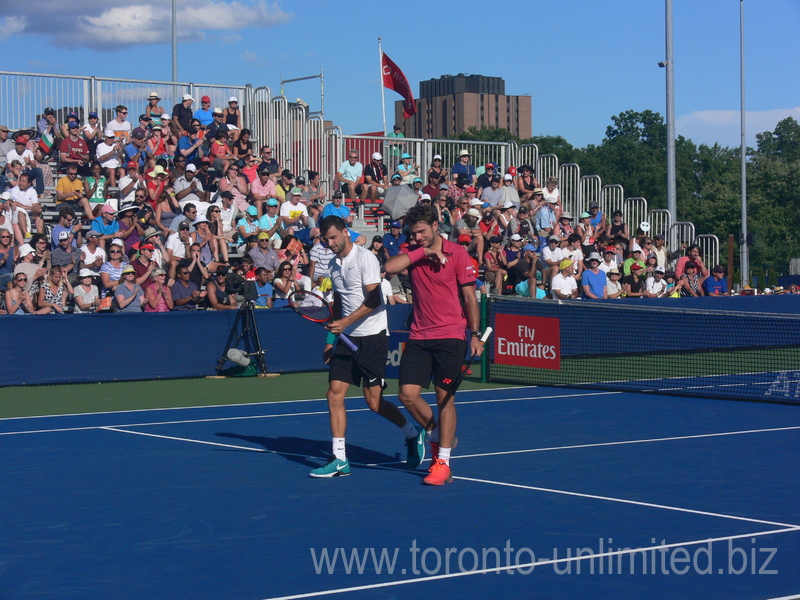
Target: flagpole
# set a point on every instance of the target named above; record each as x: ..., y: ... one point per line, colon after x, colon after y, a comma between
x: 380, y: 80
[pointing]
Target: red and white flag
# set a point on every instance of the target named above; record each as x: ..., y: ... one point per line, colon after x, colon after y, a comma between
x: 395, y: 79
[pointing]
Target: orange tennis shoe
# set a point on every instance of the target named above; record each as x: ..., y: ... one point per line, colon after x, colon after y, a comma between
x: 440, y: 474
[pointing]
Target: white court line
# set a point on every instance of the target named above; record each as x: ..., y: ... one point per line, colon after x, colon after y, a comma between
x: 500, y: 483
x: 138, y: 410
x: 624, y: 442
x: 298, y: 414
x: 624, y: 501
x: 531, y: 565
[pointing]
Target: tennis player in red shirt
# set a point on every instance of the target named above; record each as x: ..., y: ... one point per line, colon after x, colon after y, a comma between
x: 443, y: 292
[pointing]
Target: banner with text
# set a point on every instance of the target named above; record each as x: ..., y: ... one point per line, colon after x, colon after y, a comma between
x: 527, y: 341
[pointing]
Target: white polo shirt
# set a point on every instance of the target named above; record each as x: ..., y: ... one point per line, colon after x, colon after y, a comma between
x: 350, y: 276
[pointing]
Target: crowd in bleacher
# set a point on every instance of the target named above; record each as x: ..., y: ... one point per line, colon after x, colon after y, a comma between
x: 177, y: 211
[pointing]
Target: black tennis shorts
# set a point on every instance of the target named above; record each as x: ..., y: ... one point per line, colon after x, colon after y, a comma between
x: 440, y: 360
x: 368, y: 363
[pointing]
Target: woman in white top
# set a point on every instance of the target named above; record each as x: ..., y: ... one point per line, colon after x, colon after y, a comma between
x: 551, y: 190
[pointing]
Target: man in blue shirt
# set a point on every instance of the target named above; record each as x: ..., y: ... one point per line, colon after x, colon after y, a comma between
x: 337, y: 208
x: 463, y: 167
x: 204, y: 113
x: 715, y: 285
x: 189, y: 144
x: 394, y: 239
x: 593, y: 280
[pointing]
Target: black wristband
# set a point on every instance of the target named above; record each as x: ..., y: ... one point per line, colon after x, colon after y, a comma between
x: 476, y: 334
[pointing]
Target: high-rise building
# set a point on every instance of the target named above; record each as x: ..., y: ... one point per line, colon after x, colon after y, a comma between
x: 451, y: 104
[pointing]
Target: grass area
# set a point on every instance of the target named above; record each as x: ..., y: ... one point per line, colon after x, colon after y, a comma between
x: 24, y: 401
x: 641, y: 367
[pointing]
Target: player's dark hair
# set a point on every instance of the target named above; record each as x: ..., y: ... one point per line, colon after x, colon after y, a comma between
x: 332, y: 221
x: 422, y: 212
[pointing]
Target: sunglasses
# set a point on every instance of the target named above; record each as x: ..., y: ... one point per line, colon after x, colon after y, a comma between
x: 22, y: 279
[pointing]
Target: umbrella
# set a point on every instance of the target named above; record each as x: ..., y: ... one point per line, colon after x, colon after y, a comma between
x: 398, y: 199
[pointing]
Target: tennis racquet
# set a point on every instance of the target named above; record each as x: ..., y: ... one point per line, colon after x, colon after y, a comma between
x: 314, y: 307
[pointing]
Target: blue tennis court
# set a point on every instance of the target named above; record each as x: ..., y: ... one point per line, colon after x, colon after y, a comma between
x: 558, y: 494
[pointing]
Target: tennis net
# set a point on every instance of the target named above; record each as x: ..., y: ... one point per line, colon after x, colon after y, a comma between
x: 704, y: 353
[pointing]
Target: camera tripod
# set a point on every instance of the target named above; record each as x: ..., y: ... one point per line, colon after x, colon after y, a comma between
x: 248, y: 333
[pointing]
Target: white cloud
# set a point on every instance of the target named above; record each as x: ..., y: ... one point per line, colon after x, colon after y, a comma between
x: 724, y: 126
x: 118, y: 23
x: 11, y: 26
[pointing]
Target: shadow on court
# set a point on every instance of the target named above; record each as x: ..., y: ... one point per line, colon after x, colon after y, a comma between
x: 309, y: 453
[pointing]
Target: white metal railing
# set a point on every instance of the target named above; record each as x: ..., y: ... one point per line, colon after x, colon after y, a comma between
x: 569, y: 185
x: 546, y: 166
x: 611, y: 199
x: 681, y: 233
x: 528, y: 154
x: 660, y: 222
x: 591, y: 187
x: 260, y: 116
x: 635, y: 214
x: 481, y: 153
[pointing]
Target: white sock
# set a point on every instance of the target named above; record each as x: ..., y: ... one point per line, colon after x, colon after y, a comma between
x: 409, y: 430
x: 434, y: 435
x: 444, y: 454
x: 338, y: 448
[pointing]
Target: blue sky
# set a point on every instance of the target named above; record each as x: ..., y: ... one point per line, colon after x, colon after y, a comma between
x: 581, y: 61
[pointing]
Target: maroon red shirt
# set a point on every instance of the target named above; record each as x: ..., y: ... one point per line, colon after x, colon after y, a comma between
x: 439, y: 312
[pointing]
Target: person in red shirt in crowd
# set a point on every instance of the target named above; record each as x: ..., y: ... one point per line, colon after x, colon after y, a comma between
x: 443, y: 288
x: 488, y: 224
x: 74, y: 150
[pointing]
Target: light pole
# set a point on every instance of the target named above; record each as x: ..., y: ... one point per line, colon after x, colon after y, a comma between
x: 744, y: 246
x: 672, y: 204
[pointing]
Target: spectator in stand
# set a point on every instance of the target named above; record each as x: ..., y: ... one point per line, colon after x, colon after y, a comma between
x: 111, y: 271
x: 94, y: 185
x: 564, y: 228
x: 464, y: 167
x: 597, y: 220
x: 510, y: 193
x: 243, y: 147
x: 267, y: 159
x: 178, y: 247
x: 617, y: 228
x: 632, y: 284
x: 24, y: 199
x: 485, y: 178
x: 656, y: 285
x: 49, y: 129
x: 264, y: 255
x: 189, y: 144
x: 74, y: 149
x: 320, y: 259
x: 92, y: 254
x: 92, y: 133
x: 316, y: 189
x: 564, y: 286
x: 106, y: 225
x: 488, y: 225
x: 72, y: 117
x: 288, y: 280
x: 715, y: 284
x: 70, y: 192
x: 432, y: 189
x: 6, y: 144
x: 66, y: 222
x: 169, y: 135
x: 144, y: 126
x: 496, y: 264
x: 526, y: 183
x: 613, y: 285
x: 525, y: 273
x: 446, y: 220
x: 109, y: 154
x: 204, y: 114
x: 232, y: 116
x: 17, y: 298
x: 547, y: 213
x: 9, y: 218
x: 65, y: 256
x: 54, y: 293
x: 349, y: 176
x: 209, y: 248
x: 575, y: 254
x: 185, y: 295
x: 593, y: 280
x: 650, y: 264
x: 295, y: 218
x: 393, y: 240
x: 692, y: 255
x: 182, y: 115
x: 144, y: 265
x: 505, y: 216
x: 376, y: 178
x: 551, y: 192
x: 237, y: 185
x: 408, y: 172
x: 264, y: 289
x: 227, y: 215
x: 32, y: 266
x: 156, y: 147
x: 271, y: 223
x: 120, y: 125
x: 26, y: 158
x: 552, y: 255
x: 218, y: 294
x: 87, y: 296
x: 158, y: 297
x: 635, y: 258
x: 188, y: 215
x: 261, y: 190
x: 137, y: 151
x: 130, y: 228
x: 469, y: 225
x: 188, y: 189
x: 338, y: 208
x: 153, y: 109
x: 248, y: 226
x: 9, y: 254
x: 128, y: 295
x: 609, y: 259
x: 492, y: 194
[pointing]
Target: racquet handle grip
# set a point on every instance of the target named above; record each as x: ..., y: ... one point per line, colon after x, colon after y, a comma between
x: 348, y: 342
x: 486, y: 334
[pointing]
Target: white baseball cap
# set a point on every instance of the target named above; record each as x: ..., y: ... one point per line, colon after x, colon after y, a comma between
x: 232, y: 99
x: 377, y: 156
x: 188, y: 97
